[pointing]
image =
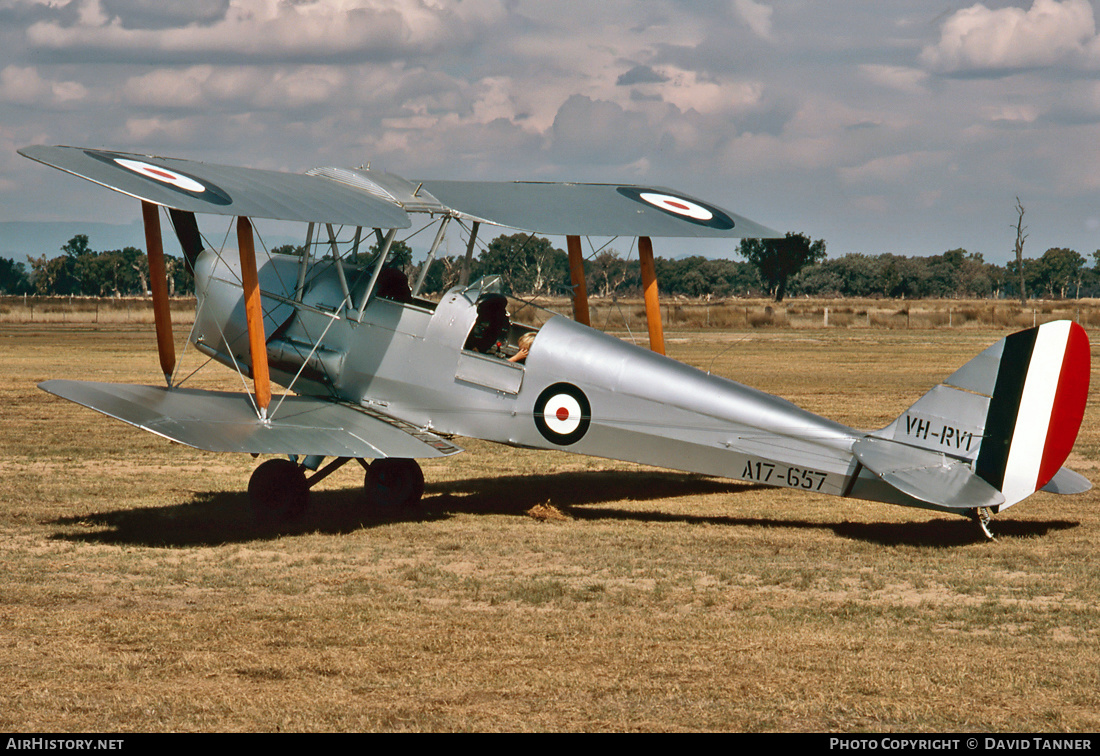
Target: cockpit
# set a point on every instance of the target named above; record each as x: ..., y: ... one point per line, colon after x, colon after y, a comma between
x: 493, y: 332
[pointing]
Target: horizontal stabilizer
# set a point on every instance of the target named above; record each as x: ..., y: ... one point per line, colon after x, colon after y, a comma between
x: 926, y: 475
x: 225, y: 421
x: 1066, y: 481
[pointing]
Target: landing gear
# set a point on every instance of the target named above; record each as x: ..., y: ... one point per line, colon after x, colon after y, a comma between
x: 278, y: 490
x: 394, y: 482
x: 985, y: 519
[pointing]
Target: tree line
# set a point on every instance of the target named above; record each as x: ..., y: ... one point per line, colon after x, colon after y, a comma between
x: 82, y: 271
x: 795, y: 265
x: 529, y: 265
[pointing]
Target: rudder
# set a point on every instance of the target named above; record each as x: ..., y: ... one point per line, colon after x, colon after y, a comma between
x: 1012, y: 412
x: 1036, y: 408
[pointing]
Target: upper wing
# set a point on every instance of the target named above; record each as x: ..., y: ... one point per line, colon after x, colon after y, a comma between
x: 593, y: 209
x: 558, y: 208
x: 363, y: 197
x: 225, y: 421
x: 225, y: 190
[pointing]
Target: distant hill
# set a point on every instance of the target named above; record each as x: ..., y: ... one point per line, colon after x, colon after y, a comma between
x: 18, y: 239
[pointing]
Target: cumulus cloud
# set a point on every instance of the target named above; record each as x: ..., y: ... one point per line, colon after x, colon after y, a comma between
x: 757, y: 15
x: 17, y: 13
x: 687, y: 90
x: 901, y: 78
x: 598, y: 131
x: 25, y: 86
x: 164, y: 130
x: 257, y: 30
x: 1050, y: 33
x: 892, y: 168
x: 801, y: 109
x: 169, y: 87
x: 1012, y: 113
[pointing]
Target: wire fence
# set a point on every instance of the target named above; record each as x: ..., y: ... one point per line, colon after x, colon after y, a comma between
x: 629, y: 314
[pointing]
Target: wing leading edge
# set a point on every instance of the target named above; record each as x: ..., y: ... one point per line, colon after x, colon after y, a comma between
x: 224, y: 421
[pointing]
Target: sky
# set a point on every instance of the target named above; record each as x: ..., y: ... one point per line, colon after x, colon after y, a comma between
x: 900, y: 126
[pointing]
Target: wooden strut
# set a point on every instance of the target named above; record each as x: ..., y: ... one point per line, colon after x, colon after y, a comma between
x: 576, y: 276
x: 652, y: 303
x: 253, y: 312
x: 158, y: 285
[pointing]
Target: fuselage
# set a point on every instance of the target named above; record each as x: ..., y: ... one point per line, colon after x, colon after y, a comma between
x: 579, y: 390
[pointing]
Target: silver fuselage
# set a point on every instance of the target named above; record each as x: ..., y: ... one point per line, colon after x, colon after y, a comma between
x: 407, y: 360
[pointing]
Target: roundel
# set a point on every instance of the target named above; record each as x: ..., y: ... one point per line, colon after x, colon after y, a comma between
x: 679, y: 206
x: 163, y: 175
x: 166, y: 177
x: 562, y: 414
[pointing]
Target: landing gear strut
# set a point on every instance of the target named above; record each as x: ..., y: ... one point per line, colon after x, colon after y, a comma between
x: 394, y: 482
x: 278, y: 490
x: 985, y: 519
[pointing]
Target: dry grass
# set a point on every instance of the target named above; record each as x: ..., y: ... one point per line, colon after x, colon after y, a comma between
x: 138, y: 594
x: 90, y: 310
x: 812, y: 314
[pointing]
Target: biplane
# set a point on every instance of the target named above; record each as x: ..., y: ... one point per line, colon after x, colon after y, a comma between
x: 375, y: 372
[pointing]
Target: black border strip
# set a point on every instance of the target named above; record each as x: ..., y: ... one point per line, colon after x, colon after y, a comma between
x: 1004, y: 407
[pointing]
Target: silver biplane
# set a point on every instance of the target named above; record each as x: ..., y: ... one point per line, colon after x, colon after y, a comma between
x: 378, y: 374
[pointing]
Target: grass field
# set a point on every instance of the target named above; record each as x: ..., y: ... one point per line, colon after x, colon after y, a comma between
x: 139, y: 595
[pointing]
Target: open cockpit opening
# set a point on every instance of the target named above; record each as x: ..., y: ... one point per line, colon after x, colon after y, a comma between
x: 493, y: 332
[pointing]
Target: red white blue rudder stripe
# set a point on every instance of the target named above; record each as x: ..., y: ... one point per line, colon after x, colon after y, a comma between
x: 1036, y: 408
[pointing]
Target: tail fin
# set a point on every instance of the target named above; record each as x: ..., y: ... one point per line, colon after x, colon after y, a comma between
x: 1012, y: 412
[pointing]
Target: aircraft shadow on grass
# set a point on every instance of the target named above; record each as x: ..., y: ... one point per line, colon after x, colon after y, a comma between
x: 216, y: 517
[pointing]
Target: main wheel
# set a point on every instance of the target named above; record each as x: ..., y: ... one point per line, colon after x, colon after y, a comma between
x: 394, y: 482
x: 278, y: 490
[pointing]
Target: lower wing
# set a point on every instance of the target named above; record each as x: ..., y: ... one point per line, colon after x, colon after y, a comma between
x: 225, y: 421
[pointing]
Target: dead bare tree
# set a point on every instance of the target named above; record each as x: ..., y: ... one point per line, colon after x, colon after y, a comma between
x: 1020, y: 237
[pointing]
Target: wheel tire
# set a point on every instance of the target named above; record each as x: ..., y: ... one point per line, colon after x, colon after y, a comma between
x: 394, y: 482
x: 278, y: 490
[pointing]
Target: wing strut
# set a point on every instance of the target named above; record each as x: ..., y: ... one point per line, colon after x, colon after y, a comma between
x: 576, y: 274
x: 652, y: 303
x: 257, y: 341
x: 158, y: 285
x: 464, y: 277
x: 303, y: 265
x: 383, y: 252
x: 338, y: 264
x: 431, y: 254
